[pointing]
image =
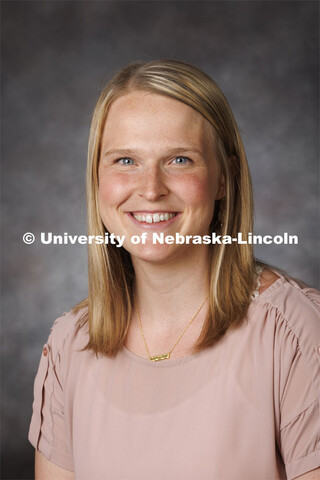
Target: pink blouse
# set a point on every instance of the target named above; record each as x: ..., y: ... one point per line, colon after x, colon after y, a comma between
x: 247, y: 408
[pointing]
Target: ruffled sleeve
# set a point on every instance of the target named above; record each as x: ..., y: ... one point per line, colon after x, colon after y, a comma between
x: 297, y: 379
x: 48, y: 428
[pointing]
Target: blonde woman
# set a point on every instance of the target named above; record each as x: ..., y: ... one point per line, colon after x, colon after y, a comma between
x: 188, y: 360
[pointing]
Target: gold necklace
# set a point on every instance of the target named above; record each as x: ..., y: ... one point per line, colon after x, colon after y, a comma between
x: 165, y: 356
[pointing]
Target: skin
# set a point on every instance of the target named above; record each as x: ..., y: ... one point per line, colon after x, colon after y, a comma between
x: 46, y: 470
x: 158, y: 155
x: 153, y: 131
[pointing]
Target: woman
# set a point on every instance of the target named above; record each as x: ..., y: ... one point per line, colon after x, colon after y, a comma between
x: 187, y: 360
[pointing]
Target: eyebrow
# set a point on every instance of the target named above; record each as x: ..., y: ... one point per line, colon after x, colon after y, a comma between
x: 132, y: 151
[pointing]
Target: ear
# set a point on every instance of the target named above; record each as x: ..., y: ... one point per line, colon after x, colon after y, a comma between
x: 232, y: 165
x: 221, y: 193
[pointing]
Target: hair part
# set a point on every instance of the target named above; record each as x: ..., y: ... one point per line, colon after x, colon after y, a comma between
x: 110, y: 302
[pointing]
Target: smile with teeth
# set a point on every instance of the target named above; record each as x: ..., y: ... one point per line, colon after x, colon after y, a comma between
x: 154, y: 217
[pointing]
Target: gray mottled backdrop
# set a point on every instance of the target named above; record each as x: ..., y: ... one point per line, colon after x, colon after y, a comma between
x: 56, y: 56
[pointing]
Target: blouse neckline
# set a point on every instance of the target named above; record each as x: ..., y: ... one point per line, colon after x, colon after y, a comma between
x: 163, y: 363
x: 187, y: 358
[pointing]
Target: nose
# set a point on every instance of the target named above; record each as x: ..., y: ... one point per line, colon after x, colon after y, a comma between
x: 153, y: 183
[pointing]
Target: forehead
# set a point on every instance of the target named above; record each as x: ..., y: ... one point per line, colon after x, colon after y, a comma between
x: 141, y: 116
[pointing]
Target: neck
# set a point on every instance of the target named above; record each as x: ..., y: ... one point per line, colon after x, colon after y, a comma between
x: 169, y: 294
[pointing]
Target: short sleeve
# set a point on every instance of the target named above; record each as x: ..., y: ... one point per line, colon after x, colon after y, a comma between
x: 48, y: 432
x: 297, y: 384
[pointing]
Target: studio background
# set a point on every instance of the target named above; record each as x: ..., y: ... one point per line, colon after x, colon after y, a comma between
x: 56, y: 57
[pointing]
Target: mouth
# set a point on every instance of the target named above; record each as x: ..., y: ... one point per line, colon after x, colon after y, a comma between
x: 156, y: 217
x: 153, y: 219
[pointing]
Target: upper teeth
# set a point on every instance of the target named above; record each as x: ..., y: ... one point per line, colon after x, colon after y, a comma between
x: 154, y: 218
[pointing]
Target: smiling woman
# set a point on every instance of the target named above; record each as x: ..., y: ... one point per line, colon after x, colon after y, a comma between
x: 134, y: 183
x: 186, y: 357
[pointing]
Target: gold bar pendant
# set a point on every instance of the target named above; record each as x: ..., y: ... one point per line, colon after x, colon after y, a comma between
x: 157, y: 358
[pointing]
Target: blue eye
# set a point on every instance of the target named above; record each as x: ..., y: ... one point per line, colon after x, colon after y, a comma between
x: 181, y: 160
x: 125, y: 161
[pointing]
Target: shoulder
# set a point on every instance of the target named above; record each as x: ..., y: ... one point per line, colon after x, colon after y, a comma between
x: 68, y: 329
x: 48, y: 430
x: 290, y: 310
x: 294, y: 302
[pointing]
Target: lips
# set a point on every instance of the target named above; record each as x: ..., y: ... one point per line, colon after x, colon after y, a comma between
x: 154, y: 217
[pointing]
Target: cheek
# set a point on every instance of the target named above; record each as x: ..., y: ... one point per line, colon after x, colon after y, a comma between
x: 111, y: 191
x: 198, y: 190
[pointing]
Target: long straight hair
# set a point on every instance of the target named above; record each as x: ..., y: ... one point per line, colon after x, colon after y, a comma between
x: 109, y: 306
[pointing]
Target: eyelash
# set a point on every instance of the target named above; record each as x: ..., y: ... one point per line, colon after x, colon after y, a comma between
x: 184, y: 158
x: 121, y: 160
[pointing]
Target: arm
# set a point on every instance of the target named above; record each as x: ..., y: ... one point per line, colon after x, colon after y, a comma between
x: 312, y: 475
x: 46, y: 470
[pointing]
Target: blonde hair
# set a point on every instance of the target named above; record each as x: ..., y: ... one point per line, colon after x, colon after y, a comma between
x: 109, y: 305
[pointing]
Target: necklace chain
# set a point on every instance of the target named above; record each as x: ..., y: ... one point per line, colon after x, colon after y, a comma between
x: 165, y: 356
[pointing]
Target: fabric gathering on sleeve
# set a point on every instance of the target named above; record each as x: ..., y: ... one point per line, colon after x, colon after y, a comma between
x: 297, y: 378
x: 48, y: 430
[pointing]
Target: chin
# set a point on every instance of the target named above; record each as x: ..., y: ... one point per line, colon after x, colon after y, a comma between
x: 159, y: 254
